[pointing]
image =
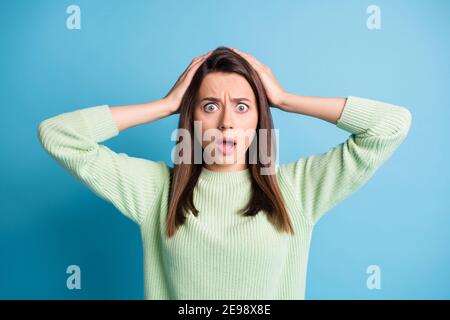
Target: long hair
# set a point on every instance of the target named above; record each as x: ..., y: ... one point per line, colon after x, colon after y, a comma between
x: 266, y: 195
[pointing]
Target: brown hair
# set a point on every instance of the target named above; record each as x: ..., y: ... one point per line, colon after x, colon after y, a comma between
x: 266, y: 195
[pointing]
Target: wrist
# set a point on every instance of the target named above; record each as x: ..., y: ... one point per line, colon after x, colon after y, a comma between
x: 284, y: 101
x: 168, y: 105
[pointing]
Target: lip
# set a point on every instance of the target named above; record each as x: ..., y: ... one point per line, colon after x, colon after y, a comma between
x: 225, y: 139
x: 223, y: 147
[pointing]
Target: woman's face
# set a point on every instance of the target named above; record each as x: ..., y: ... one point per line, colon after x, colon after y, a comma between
x: 227, y: 105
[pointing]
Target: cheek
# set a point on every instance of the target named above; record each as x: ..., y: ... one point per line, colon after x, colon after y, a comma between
x: 247, y: 133
x: 252, y: 119
x: 196, y: 114
x: 250, y: 122
x: 203, y: 124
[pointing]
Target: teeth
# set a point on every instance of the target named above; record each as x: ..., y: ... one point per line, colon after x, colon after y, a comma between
x: 228, y: 141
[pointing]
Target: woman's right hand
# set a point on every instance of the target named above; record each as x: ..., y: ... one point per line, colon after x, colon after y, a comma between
x: 175, y: 94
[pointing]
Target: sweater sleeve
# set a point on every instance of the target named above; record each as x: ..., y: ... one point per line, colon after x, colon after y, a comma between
x: 319, y: 182
x: 73, y: 139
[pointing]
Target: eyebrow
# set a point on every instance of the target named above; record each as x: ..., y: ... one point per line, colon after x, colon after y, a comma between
x: 218, y: 100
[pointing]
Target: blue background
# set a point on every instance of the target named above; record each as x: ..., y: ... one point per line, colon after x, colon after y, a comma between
x: 133, y: 51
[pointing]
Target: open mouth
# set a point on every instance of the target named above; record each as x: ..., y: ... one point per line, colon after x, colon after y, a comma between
x: 226, y: 145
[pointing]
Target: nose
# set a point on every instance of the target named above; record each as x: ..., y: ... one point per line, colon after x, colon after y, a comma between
x: 226, y: 121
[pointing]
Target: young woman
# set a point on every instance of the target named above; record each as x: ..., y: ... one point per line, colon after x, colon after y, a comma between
x: 225, y: 229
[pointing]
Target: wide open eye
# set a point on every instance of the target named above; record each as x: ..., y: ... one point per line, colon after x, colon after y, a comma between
x: 210, y: 107
x: 242, y: 107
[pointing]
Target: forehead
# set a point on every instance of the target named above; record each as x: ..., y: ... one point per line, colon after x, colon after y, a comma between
x: 220, y: 84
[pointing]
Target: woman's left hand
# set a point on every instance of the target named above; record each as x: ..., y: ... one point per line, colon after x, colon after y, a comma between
x: 275, y: 93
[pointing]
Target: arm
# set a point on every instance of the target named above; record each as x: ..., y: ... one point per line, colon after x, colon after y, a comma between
x: 130, y: 116
x: 73, y: 139
x: 319, y: 182
x: 325, y: 108
x: 132, y: 185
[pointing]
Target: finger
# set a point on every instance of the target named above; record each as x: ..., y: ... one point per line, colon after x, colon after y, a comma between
x: 202, y: 56
x: 250, y: 57
x: 245, y: 54
x: 253, y: 61
x: 195, y: 62
x: 193, y: 66
x: 198, y: 61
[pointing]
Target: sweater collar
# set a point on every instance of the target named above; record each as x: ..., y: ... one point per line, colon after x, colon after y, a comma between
x: 234, y: 177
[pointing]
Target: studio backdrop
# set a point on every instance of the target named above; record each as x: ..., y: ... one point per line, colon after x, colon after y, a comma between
x: 390, y: 240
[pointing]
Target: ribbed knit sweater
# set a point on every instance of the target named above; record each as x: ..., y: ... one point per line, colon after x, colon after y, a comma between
x: 221, y: 254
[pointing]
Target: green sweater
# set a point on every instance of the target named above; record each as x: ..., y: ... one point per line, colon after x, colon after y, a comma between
x: 221, y: 254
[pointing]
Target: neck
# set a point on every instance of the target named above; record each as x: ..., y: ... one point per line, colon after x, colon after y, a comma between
x: 226, y: 167
x: 236, y: 177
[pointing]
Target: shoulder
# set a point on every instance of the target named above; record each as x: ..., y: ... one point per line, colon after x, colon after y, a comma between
x: 157, y: 171
x: 288, y: 172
